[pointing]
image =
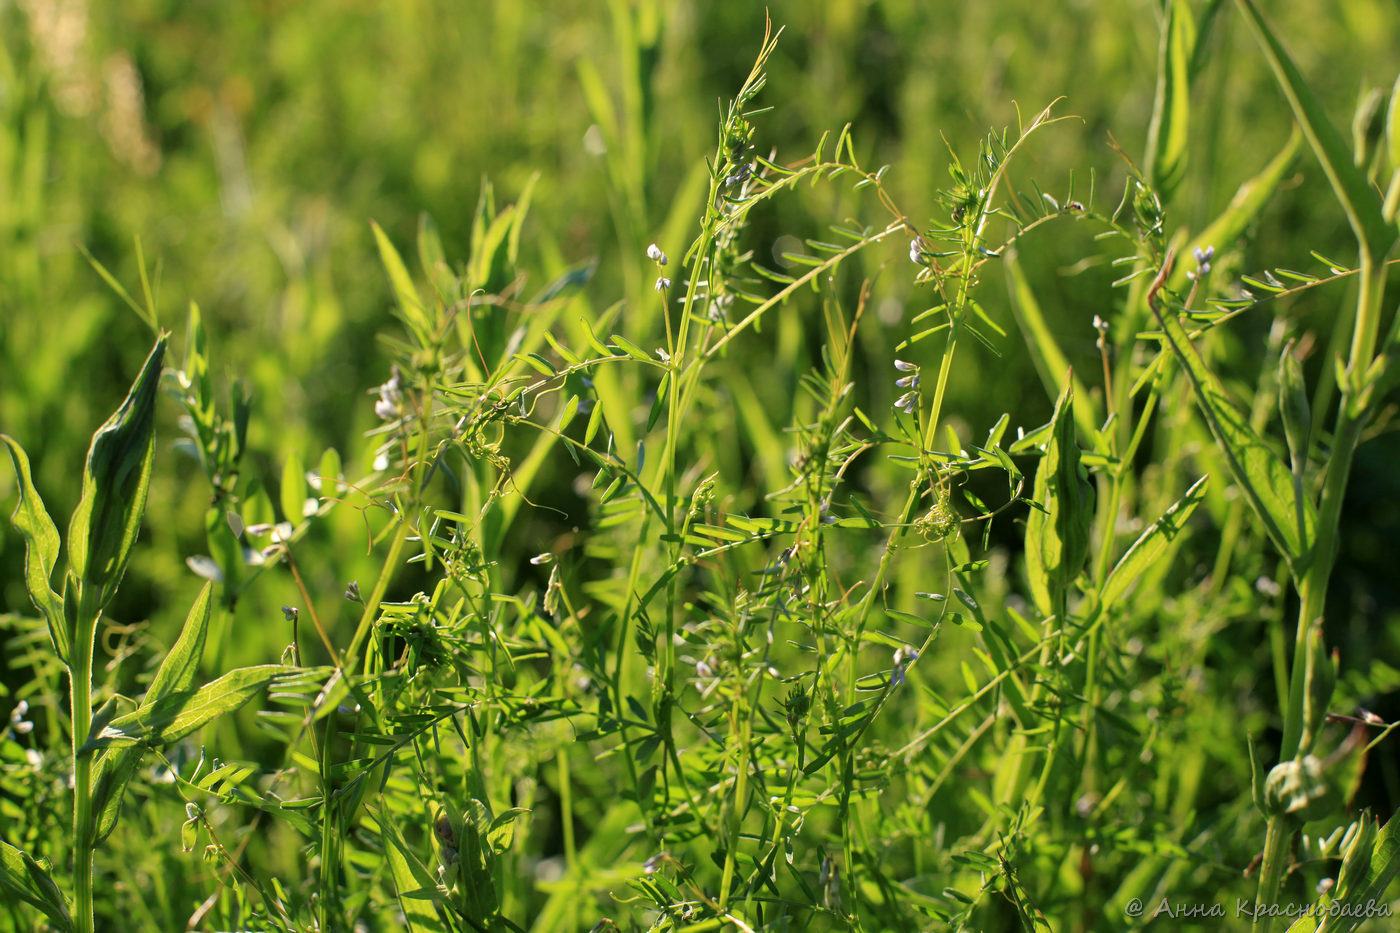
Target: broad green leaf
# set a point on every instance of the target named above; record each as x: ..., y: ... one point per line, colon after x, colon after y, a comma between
x: 1360, y: 201
x: 329, y: 475
x: 29, y: 880
x: 1169, y: 131
x: 293, y: 492
x: 415, y: 315
x: 413, y: 883
x: 1057, y: 538
x: 630, y: 348
x: 1244, y: 207
x: 177, y: 714
x: 114, y: 770
x: 177, y: 670
x: 1150, y: 545
x: 118, y: 472
x: 41, y: 542
x: 1050, y: 362
x: 1266, y: 482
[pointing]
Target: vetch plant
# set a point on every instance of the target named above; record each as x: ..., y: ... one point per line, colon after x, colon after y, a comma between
x: 778, y: 583
x: 107, y: 744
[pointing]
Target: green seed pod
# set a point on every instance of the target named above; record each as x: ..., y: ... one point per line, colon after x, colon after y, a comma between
x: 1057, y: 535
x: 1356, y: 854
x: 1392, y: 131
x: 115, y: 479
x: 1293, y: 407
x: 1367, y: 126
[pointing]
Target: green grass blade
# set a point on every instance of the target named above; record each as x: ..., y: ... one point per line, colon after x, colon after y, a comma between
x: 1050, y: 362
x: 1244, y: 208
x: 1169, y: 132
x: 1149, y: 547
x: 1361, y: 202
x: 1266, y: 482
x: 31, y: 519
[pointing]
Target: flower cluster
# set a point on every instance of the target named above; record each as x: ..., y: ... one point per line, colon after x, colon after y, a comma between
x: 1203, y: 258
x: 390, y: 404
x: 909, y: 399
x: 655, y: 254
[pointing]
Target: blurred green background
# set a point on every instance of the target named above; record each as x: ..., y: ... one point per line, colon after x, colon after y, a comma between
x: 249, y: 145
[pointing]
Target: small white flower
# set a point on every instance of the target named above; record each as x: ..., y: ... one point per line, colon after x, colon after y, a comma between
x: 904, y: 367
x: 906, y: 402
x: 662, y: 355
x: 916, y: 251
x: 655, y: 255
x: 904, y: 655
x: 662, y: 283
x: 390, y: 402
x: 545, y: 558
x: 1203, y: 258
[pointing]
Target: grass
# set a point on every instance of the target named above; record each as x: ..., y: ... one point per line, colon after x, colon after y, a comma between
x: 726, y: 529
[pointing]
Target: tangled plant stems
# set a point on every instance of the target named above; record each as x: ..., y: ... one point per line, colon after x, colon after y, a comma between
x: 688, y: 613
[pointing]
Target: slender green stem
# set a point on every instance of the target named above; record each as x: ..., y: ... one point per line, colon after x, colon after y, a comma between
x: 386, y: 573
x: 80, y: 680
x: 740, y: 721
x: 1351, y: 420
x: 1352, y: 414
x: 1271, y: 871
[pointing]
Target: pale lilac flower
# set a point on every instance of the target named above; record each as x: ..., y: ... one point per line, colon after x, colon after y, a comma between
x: 903, y: 657
x: 908, y: 400
x: 655, y: 254
x: 662, y: 283
x: 1203, y: 258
